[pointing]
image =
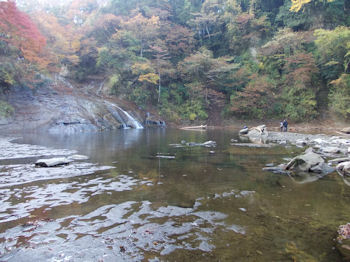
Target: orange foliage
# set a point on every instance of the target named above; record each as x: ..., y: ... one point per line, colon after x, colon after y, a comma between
x: 17, y: 29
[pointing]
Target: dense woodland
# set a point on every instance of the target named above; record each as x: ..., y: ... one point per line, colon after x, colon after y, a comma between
x: 252, y: 59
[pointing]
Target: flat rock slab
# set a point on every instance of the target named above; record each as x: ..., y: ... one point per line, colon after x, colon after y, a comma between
x: 53, y: 162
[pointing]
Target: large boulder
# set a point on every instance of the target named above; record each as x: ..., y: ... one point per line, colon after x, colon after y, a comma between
x: 308, y: 162
x: 346, y: 130
x: 258, y: 131
x: 344, y: 168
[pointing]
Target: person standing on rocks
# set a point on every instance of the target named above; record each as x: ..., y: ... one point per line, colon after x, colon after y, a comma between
x: 285, y: 125
x: 281, y: 126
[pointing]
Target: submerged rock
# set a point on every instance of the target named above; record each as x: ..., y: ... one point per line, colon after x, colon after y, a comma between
x: 193, y: 144
x: 276, y: 169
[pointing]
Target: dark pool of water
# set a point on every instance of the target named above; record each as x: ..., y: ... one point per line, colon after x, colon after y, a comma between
x: 207, y: 204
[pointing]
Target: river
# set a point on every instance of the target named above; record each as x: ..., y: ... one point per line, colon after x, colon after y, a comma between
x: 166, y: 203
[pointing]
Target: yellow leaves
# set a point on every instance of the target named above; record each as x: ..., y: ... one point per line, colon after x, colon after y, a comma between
x: 150, y: 78
x: 75, y: 45
x: 74, y: 59
x: 154, y: 20
x: 141, y: 68
x: 145, y: 72
x: 298, y: 4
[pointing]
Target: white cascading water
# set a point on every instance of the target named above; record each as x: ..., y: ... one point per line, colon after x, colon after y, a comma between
x: 132, y: 120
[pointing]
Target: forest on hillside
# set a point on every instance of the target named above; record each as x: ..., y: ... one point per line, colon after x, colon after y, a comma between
x: 252, y: 59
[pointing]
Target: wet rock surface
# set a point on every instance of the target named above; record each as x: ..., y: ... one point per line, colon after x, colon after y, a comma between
x: 70, y: 111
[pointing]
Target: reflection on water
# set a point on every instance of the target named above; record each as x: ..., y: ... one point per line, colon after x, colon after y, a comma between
x: 204, y: 205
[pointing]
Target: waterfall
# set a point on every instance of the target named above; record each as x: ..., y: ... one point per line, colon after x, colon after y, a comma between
x: 130, y: 120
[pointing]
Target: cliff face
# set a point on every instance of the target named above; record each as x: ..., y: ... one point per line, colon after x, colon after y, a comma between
x: 62, y: 108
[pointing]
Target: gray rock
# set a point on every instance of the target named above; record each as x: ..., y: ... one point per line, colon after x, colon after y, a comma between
x: 244, y: 131
x: 310, y: 150
x: 308, y: 162
x: 301, y: 142
x: 331, y: 150
x: 339, y: 160
x: 52, y: 162
x: 346, y: 130
x: 343, y: 168
x: 209, y: 144
x: 258, y: 131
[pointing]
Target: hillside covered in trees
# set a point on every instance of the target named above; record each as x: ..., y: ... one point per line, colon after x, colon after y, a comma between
x: 252, y: 59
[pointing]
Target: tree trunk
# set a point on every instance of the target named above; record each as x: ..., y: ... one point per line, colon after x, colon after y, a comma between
x: 206, y: 28
x: 159, y: 87
x: 141, y: 51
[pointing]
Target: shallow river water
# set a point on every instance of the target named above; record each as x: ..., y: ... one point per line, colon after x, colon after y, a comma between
x: 206, y: 204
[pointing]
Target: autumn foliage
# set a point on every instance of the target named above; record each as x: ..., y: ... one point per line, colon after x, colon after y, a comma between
x: 248, y: 58
x: 17, y: 29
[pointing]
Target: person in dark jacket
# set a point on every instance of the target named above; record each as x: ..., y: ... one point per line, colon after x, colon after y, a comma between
x: 285, y: 125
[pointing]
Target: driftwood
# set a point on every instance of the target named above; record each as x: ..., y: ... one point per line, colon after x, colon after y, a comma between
x: 194, y: 127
